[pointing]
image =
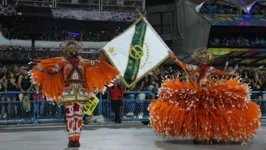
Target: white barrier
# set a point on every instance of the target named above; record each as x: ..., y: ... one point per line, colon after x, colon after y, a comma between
x: 3, y: 40
x: 45, y: 44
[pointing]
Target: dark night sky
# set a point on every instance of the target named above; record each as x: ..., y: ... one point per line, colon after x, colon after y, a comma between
x: 158, y: 2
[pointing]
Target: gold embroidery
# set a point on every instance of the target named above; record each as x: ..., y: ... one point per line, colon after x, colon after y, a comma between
x: 134, y: 53
x: 111, y: 50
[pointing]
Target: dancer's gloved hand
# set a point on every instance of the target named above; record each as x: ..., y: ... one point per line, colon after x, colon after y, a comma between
x: 236, y: 67
x: 256, y: 76
x: 102, y: 56
x: 172, y: 55
x: 231, y: 73
x: 261, y: 67
x: 226, y: 63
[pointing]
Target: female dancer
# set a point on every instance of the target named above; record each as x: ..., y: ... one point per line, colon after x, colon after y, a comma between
x: 204, y: 110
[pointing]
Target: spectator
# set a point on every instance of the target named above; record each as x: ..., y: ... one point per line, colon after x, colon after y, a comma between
x: 211, y: 8
x: 59, y: 34
x: 39, y: 98
x: 130, y: 104
x: 25, y: 85
x: 2, y: 89
x: 116, y: 95
x: 11, y: 86
x: 237, y: 42
x: 140, y: 97
x: 16, y: 72
x: 258, y: 9
x: 152, y: 84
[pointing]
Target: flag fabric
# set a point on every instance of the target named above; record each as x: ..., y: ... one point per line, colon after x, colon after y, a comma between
x: 136, y: 51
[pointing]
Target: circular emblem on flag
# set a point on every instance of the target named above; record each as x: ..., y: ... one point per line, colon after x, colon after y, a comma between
x: 136, y: 52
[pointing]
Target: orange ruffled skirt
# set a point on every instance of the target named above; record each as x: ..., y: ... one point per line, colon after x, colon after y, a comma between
x: 220, y: 110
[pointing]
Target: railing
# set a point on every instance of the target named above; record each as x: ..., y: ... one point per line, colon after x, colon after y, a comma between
x: 12, y: 111
x: 43, y: 3
x: 122, y: 5
x: 86, y: 4
x: 45, y: 111
x: 110, y: 5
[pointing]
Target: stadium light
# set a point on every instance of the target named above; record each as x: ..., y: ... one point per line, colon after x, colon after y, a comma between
x: 250, y: 6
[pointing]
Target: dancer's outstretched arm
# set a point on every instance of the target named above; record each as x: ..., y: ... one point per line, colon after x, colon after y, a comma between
x: 87, y: 63
x: 219, y: 72
x: 191, y: 68
x: 54, y: 69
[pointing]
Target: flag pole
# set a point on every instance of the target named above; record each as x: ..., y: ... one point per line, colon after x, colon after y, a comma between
x: 143, y: 16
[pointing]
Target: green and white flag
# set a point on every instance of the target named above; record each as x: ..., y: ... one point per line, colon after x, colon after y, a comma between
x: 136, y: 51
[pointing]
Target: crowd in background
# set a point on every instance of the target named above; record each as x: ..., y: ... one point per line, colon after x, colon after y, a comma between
x: 27, y: 56
x: 11, y: 55
x: 59, y: 34
x: 112, y: 5
x: 258, y: 9
x: 89, y: 2
x: 213, y: 8
x: 238, y: 41
x: 95, y: 2
x: 15, y: 78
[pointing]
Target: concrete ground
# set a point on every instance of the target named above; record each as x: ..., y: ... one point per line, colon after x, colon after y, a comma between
x: 137, y: 137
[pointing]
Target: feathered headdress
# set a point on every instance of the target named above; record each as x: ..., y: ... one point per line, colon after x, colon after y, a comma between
x: 64, y: 46
x: 202, y: 52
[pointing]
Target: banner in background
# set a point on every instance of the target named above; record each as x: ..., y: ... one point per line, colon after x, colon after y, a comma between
x: 90, y: 106
x: 236, y: 20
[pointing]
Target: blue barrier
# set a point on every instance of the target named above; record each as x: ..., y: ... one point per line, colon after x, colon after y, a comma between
x: 258, y: 92
x: 45, y: 111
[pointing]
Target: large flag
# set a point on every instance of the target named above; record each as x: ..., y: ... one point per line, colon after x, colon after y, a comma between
x: 136, y: 51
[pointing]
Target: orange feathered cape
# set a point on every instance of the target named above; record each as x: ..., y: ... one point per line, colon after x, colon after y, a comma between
x: 96, y: 78
x: 221, y: 111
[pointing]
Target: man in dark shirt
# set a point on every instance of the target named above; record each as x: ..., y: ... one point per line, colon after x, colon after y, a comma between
x: 25, y: 86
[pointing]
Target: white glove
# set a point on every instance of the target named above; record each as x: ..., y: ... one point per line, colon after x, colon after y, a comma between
x: 261, y: 67
x: 226, y: 63
x: 231, y: 73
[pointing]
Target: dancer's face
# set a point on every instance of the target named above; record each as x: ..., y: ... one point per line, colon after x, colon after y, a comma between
x: 74, y: 53
x: 11, y: 74
x: 4, y: 70
x: 24, y: 71
x: 203, y: 60
x: 116, y: 83
x: 72, y: 50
